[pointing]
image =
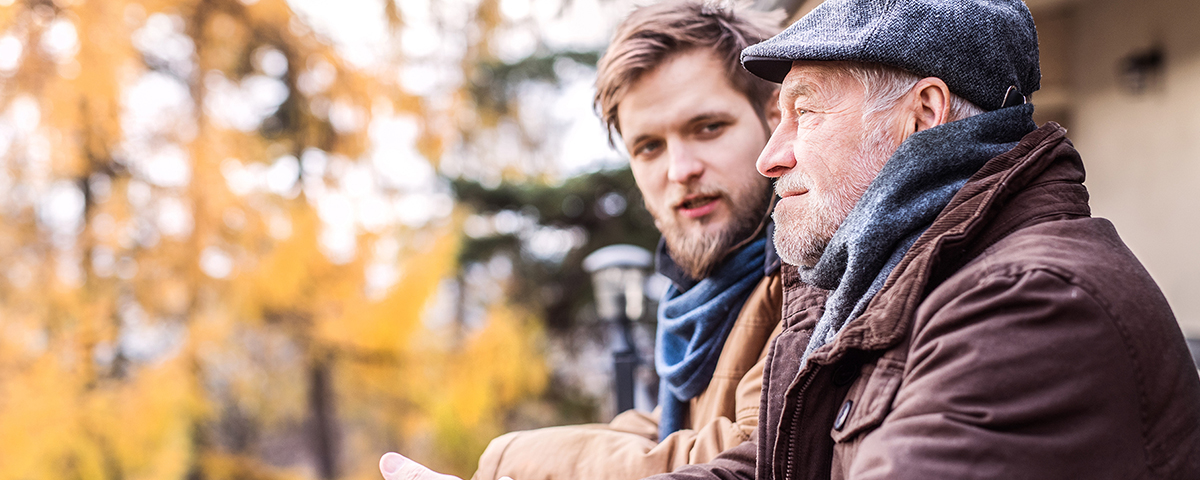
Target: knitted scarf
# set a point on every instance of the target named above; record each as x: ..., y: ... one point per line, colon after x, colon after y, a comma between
x: 694, y: 317
x: 912, y: 188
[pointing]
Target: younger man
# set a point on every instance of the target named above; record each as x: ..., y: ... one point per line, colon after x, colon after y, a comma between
x: 692, y: 147
x: 693, y: 122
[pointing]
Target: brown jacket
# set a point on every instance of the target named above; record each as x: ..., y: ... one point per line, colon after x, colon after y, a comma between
x: 722, y: 416
x: 1018, y: 339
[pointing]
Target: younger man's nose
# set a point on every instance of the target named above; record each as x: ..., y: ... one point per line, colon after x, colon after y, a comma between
x: 683, y: 166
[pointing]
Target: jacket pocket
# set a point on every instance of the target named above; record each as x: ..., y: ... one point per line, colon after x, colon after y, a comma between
x: 869, y: 400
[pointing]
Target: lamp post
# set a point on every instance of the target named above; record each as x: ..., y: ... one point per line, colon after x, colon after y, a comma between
x: 619, y: 275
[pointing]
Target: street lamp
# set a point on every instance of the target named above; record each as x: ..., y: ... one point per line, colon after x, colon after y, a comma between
x: 619, y: 276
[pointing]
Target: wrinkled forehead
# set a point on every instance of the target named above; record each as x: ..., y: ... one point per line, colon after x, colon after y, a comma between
x: 817, y: 81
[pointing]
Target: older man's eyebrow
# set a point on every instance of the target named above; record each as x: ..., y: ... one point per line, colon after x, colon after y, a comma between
x: 797, y: 89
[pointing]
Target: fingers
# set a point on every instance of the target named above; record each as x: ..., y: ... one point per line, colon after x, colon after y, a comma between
x: 395, y: 466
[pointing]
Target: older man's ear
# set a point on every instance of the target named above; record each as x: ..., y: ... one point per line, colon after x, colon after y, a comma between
x: 928, y: 105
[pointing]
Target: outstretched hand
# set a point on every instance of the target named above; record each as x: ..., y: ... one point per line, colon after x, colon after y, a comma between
x: 395, y: 466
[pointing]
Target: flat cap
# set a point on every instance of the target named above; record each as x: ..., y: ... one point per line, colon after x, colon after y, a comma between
x: 980, y: 48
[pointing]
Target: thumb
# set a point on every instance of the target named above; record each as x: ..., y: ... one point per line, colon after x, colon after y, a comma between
x: 395, y: 466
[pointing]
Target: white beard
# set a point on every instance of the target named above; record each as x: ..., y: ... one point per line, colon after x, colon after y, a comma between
x: 801, y: 235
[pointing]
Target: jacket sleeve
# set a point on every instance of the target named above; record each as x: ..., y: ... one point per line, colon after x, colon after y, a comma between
x: 624, y: 448
x: 1020, y: 375
x: 737, y: 463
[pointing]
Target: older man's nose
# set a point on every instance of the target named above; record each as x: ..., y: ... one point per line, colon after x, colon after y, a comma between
x: 684, y: 166
x: 777, y: 158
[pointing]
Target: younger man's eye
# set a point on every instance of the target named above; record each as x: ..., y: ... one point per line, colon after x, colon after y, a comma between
x: 711, y: 128
x: 646, y: 148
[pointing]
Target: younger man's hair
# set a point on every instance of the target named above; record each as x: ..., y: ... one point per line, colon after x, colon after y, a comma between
x: 654, y: 34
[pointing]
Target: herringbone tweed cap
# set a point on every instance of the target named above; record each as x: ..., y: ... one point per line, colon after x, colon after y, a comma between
x: 978, y: 47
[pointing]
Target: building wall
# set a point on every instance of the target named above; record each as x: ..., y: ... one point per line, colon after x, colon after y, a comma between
x: 1141, y: 148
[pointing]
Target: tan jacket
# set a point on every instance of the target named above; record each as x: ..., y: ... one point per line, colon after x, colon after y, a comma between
x: 723, y: 416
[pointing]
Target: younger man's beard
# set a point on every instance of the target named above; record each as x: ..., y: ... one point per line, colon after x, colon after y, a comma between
x: 697, y: 255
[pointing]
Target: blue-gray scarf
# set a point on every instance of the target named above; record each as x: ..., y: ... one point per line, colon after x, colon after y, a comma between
x: 913, y: 187
x: 694, y: 318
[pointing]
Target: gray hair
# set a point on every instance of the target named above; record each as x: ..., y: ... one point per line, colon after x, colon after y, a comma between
x: 886, y: 85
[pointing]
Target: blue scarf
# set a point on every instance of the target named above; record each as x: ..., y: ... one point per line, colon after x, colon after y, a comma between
x: 693, y: 321
x: 913, y: 187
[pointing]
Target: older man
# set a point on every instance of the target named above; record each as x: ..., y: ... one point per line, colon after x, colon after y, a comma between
x: 980, y: 323
x: 693, y: 122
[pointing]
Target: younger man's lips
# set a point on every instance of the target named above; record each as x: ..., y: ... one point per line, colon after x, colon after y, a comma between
x: 699, y: 207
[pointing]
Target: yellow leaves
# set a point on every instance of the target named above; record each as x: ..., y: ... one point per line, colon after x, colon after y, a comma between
x: 431, y: 145
x: 489, y: 18
x: 172, y: 296
x: 91, y: 387
x: 38, y: 419
x: 505, y: 358
x: 468, y: 391
x: 226, y: 41
x: 144, y: 424
x: 275, y: 12
x: 225, y: 466
x: 284, y: 275
x: 449, y: 399
x: 55, y: 423
x: 386, y: 326
x: 83, y: 107
x: 8, y: 12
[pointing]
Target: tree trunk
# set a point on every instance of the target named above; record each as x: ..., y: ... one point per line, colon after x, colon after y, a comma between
x: 321, y: 403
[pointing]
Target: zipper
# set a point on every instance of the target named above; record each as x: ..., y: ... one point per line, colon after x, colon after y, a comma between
x: 792, y: 434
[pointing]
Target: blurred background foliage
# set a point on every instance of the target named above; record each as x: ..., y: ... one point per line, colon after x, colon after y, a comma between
x: 239, y: 241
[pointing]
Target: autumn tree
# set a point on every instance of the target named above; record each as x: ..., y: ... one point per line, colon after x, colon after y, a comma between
x: 216, y: 259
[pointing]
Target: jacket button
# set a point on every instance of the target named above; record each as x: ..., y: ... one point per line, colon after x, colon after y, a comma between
x: 843, y: 415
x: 845, y: 373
